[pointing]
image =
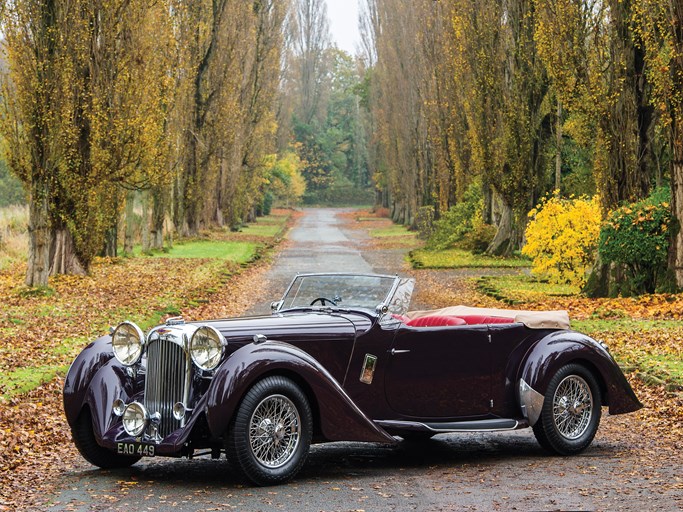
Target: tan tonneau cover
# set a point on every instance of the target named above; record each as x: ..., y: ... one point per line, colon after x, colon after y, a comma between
x: 532, y: 319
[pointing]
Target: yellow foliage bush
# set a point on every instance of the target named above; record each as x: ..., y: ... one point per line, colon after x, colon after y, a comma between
x: 562, y: 238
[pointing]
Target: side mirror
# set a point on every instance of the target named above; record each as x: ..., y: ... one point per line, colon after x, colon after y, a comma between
x: 276, y: 305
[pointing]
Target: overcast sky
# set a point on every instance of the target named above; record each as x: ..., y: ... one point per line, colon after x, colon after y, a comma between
x: 343, y: 16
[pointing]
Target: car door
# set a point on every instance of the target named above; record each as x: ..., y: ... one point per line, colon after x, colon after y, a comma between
x: 440, y: 372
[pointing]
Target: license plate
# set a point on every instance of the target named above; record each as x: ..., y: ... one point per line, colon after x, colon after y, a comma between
x: 135, y: 449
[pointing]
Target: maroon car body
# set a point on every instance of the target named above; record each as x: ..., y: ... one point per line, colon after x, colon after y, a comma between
x: 339, y: 370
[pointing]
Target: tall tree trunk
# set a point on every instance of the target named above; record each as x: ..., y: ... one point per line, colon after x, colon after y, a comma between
x: 676, y: 258
x: 110, y: 241
x: 558, y: 142
x: 129, y: 239
x: 144, y: 225
x: 158, y: 217
x: 39, y: 234
x: 505, y: 240
x: 63, y: 256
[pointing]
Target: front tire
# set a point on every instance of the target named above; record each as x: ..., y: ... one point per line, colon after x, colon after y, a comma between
x: 85, y: 441
x: 270, y: 435
x: 571, y: 411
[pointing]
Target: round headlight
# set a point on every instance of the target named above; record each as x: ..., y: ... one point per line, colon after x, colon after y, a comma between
x: 127, y: 342
x: 135, y: 419
x: 206, y: 347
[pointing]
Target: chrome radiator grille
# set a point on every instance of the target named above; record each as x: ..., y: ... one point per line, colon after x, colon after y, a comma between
x: 165, y: 383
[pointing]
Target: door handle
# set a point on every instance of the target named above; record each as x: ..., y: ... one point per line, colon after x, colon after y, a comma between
x: 394, y: 351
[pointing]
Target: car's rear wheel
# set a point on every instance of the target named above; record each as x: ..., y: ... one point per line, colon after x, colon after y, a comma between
x: 270, y: 435
x: 571, y: 411
x: 84, y: 439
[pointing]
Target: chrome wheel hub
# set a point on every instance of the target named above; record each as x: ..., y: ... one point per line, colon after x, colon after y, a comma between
x: 274, y: 431
x: 572, y: 407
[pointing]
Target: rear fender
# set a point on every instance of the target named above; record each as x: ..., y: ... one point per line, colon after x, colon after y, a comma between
x: 340, y: 418
x: 559, y: 348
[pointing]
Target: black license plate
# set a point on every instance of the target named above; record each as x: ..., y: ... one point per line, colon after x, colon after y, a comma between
x: 136, y: 449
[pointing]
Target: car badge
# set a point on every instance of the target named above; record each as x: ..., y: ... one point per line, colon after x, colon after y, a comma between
x: 368, y: 370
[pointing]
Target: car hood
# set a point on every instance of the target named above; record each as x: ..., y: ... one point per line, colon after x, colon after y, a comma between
x: 328, y: 337
x: 288, y: 326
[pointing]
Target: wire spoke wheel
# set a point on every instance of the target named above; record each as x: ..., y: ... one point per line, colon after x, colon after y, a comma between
x: 571, y: 411
x: 270, y: 436
x: 572, y: 407
x: 274, y: 431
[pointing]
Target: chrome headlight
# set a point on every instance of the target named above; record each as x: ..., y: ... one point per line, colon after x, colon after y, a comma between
x: 206, y: 347
x: 135, y: 419
x: 127, y: 341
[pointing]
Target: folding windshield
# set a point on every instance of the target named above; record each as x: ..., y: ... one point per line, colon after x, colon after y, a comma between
x: 344, y: 291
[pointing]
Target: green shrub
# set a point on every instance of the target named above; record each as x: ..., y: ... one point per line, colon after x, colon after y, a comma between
x: 11, y: 191
x: 458, y: 220
x: 267, y: 204
x: 425, y: 222
x: 637, y: 236
x: 479, y: 238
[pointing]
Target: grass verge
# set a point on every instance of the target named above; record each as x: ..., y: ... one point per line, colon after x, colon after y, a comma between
x: 459, y: 258
x: 515, y: 290
x: 239, y: 252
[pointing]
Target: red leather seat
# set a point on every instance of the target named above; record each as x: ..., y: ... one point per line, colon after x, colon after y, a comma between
x: 481, y: 319
x: 435, y: 321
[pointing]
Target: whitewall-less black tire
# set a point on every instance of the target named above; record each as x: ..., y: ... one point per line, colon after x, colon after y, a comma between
x: 269, y: 438
x: 571, y: 411
x: 84, y: 439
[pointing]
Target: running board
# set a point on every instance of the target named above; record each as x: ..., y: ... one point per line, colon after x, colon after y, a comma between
x: 452, y: 426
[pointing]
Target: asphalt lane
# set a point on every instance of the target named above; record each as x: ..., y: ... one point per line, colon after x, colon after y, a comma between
x: 319, y: 242
x: 479, y: 472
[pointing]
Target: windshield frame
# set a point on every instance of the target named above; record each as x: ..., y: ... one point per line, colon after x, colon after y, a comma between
x: 379, y: 309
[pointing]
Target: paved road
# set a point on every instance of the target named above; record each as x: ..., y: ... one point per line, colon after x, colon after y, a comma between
x: 318, y: 243
x: 483, y: 472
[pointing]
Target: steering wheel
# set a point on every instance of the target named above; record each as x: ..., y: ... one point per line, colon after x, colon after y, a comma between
x: 324, y: 301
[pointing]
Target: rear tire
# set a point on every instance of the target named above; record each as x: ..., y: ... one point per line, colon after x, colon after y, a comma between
x: 84, y: 439
x: 571, y: 411
x: 269, y: 438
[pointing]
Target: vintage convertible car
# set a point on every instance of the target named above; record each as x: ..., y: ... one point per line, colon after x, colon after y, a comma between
x: 339, y: 359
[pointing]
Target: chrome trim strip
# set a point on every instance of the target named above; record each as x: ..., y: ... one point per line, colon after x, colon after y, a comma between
x: 530, y: 401
x: 423, y: 427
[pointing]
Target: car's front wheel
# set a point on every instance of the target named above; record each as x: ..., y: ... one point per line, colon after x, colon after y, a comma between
x: 270, y: 435
x: 84, y: 439
x: 571, y: 411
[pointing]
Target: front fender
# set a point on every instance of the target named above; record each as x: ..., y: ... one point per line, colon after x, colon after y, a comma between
x: 81, y: 373
x: 559, y: 348
x: 340, y: 418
